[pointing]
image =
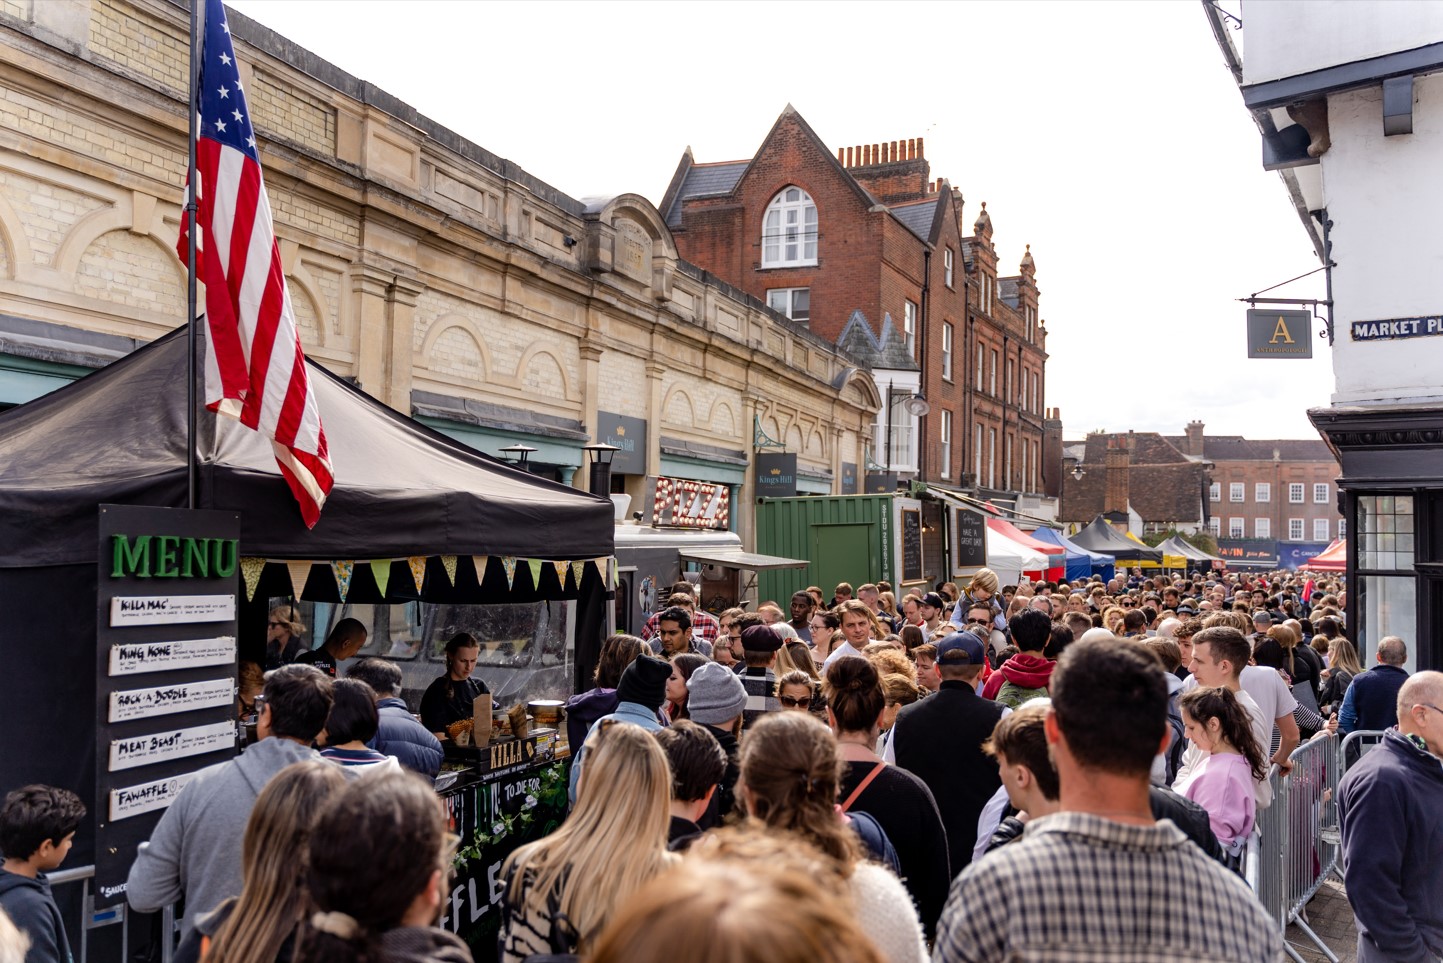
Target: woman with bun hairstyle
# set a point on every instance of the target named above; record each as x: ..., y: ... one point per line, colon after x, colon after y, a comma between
x: 898, y: 800
x: 790, y: 772
x: 260, y: 925
x: 562, y: 890
x: 377, y: 874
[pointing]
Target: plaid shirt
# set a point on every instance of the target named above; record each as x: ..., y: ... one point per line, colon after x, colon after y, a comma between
x: 703, y: 626
x: 1078, y: 888
x: 761, y: 695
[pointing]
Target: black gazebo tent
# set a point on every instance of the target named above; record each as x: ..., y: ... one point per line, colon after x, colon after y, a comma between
x: 119, y: 436
x: 1101, y: 537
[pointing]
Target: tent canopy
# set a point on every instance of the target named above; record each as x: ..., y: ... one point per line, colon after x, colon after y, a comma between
x: 1010, y: 559
x: 1081, y: 563
x: 1054, y: 555
x: 119, y: 436
x: 1176, y: 545
x: 1334, y: 558
x: 1101, y: 537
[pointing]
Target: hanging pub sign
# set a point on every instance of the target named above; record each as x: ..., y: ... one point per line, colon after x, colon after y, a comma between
x: 1280, y: 334
x: 776, y: 475
x: 1393, y: 330
x: 628, y: 436
x: 684, y: 503
x: 165, y: 669
x: 971, y: 531
x: 881, y: 483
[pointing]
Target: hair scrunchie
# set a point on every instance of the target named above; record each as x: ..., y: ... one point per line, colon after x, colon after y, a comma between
x: 340, y: 925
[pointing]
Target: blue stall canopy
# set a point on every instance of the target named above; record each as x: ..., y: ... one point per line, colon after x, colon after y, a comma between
x: 1081, y: 562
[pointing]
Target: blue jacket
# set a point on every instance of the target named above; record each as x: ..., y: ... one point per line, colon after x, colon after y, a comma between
x: 400, y: 735
x: 1393, y: 851
x: 632, y: 712
x: 1371, y: 701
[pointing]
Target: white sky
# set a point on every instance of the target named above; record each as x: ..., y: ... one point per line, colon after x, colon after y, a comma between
x: 1109, y: 136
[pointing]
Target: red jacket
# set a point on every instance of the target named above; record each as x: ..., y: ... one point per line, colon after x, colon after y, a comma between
x: 1025, y: 669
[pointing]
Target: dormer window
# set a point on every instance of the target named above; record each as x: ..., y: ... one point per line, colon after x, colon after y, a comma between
x: 789, y: 230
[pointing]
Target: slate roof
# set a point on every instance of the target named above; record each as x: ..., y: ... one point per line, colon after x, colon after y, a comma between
x: 917, y: 216
x: 1238, y: 448
x: 703, y: 180
x: 1162, y: 484
x: 889, y: 351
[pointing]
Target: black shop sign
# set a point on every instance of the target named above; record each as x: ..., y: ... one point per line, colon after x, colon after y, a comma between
x: 776, y: 475
x: 165, y: 670
x: 971, y: 530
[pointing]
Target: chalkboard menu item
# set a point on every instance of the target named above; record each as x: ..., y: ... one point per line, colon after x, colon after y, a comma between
x: 911, y: 545
x: 971, y: 530
x: 164, y: 671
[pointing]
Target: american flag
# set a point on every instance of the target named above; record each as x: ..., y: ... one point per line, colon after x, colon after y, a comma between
x: 254, y: 368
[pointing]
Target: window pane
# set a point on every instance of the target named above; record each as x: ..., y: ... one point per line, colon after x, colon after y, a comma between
x: 1320, y: 529
x: 777, y: 300
x: 793, y: 194
x: 1390, y: 607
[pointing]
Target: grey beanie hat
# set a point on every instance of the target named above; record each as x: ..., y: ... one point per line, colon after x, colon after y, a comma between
x: 715, y: 695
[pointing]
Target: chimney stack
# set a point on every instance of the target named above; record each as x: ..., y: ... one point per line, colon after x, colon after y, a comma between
x: 1116, y: 463
x: 1195, y: 438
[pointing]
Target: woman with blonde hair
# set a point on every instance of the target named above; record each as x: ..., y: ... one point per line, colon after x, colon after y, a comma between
x: 284, y: 629
x: 790, y: 774
x: 260, y: 925
x: 1339, y: 674
x: 888, y: 601
x: 741, y: 877
x: 562, y: 890
x: 799, y: 655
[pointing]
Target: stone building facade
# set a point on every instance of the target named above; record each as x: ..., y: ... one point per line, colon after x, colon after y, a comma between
x: 438, y: 276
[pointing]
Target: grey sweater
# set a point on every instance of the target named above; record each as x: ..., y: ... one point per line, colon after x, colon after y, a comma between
x: 195, y: 850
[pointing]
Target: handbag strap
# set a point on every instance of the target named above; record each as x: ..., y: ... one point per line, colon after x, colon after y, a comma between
x: 866, y: 781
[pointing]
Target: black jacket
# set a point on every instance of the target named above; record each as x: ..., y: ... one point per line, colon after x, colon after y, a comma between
x: 724, y: 799
x: 1187, y: 815
x: 32, y: 909
x: 939, y: 740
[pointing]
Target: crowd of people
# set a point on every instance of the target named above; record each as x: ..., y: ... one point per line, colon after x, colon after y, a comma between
x: 1031, y: 772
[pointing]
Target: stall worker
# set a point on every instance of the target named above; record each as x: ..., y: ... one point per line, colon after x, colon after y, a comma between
x: 449, y: 699
x: 345, y: 640
x: 284, y: 629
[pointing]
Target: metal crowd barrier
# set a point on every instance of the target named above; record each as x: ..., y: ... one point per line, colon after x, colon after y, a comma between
x: 1297, y: 842
x: 92, y: 919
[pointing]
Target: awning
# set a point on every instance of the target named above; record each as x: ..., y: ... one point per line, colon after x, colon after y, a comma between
x: 747, y: 560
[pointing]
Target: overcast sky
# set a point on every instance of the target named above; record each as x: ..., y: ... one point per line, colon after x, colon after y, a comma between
x: 1109, y: 136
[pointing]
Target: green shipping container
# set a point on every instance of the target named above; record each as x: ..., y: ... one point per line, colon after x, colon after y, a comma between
x: 848, y: 538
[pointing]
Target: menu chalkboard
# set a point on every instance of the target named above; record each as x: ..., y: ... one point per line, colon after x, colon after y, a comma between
x: 971, y: 529
x: 911, y: 545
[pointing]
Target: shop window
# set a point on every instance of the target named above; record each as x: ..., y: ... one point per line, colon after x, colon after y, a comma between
x: 1237, y: 527
x: 795, y: 303
x: 1385, y: 540
x: 789, y: 230
x: 1295, y: 493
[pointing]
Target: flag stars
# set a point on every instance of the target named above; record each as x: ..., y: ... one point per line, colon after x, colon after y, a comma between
x: 224, y: 93
x: 225, y: 59
x: 251, y: 142
x: 237, y: 115
x: 220, y: 126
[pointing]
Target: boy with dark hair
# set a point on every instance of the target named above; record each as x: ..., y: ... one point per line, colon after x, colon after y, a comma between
x: 697, y: 766
x: 1025, y: 675
x: 37, y: 826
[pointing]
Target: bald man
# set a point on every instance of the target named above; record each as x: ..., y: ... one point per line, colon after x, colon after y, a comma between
x: 1392, y: 838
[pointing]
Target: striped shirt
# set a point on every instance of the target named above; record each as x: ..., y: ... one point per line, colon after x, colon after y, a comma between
x: 1078, y: 888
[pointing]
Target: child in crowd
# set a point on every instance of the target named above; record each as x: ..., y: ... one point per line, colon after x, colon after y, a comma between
x: 37, y: 827
x: 1222, y: 783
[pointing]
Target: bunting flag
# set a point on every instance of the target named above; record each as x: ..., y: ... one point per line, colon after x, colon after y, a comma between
x: 611, y: 573
x: 448, y: 562
x: 578, y: 569
x: 343, y: 572
x: 561, y: 568
x: 381, y: 572
x: 535, y: 565
x: 417, y: 564
x: 300, y: 571
x: 480, y: 562
x: 251, y: 569
x: 508, y: 562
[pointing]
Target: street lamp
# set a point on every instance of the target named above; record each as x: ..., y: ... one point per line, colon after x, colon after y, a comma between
x: 599, y: 456
x: 915, y: 405
x: 520, y: 452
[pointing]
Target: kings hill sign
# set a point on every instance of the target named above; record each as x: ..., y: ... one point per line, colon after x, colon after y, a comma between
x: 173, y: 556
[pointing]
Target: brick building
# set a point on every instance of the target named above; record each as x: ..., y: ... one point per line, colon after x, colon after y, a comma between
x: 1139, y: 481
x: 867, y: 250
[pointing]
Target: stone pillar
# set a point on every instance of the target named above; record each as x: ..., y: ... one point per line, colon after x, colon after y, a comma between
x: 839, y: 434
x: 745, y: 509
x: 404, y: 295
x: 655, y: 371
x: 371, y: 287
x: 590, y: 392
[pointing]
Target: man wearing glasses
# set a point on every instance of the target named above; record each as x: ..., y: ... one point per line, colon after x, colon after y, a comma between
x: 1392, y: 838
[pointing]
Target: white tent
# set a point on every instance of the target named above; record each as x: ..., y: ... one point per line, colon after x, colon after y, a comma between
x: 1010, y: 559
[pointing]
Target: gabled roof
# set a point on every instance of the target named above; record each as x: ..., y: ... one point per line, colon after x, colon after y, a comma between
x: 861, y: 342
x: 1238, y: 448
x: 917, y: 216
x: 702, y: 180
x: 1158, y: 493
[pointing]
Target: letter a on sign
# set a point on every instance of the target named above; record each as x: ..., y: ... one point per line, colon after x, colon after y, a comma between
x: 1280, y: 332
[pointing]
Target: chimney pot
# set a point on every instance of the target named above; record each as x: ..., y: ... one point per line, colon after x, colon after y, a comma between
x: 893, y: 151
x: 840, y: 155
x: 919, y: 148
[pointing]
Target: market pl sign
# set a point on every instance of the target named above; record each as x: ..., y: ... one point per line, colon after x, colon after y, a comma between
x: 1280, y: 334
x: 1397, y: 328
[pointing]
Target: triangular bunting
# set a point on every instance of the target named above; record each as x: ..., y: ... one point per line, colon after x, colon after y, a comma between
x: 578, y: 569
x: 343, y: 572
x: 417, y: 564
x: 300, y: 571
x: 611, y: 573
x: 535, y: 565
x: 448, y: 562
x: 381, y: 572
x: 480, y: 562
x: 251, y: 569
x: 560, y: 573
x: 508, y: 562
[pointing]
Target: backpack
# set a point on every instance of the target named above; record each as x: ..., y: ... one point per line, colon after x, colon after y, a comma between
x: 1013, y: 695
x: 1179, y: 742
x: 875, y: 842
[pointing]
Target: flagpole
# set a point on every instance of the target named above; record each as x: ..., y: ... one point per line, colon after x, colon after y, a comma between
x: 191, y: 209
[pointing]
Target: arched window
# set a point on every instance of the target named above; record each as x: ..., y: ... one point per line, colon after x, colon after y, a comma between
x: 789, y: 230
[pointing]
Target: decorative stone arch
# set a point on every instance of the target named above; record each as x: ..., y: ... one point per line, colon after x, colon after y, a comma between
x: 723, y: 420
x: 538, y: 351
x: 468, y: 327
x: 820, y: 439
x: 627, y: 235
x: 168, y: 277
x: 794, y: 439
x: 302, y: 284
x: 118, y: 217
x: 16, y: 246
x: 679, y: 394
x: 861, y: 387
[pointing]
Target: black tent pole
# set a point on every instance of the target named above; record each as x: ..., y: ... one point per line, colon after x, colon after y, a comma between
x: 191, y: 209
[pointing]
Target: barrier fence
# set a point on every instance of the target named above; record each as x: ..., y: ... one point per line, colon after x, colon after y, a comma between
x: 117, y: 915
x: 1297, y: 843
